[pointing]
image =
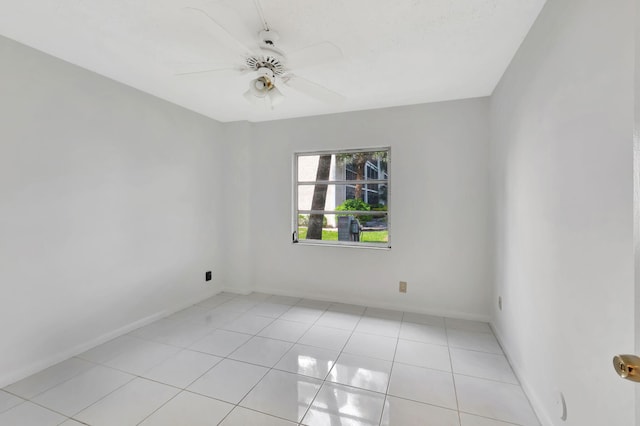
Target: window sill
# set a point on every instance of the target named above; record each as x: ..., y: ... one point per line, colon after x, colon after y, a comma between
x: 343, y: 245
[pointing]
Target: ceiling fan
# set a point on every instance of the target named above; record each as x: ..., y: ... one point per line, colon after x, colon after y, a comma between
x: 271, y: 67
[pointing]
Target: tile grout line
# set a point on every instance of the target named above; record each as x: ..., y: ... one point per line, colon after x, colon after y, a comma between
x: 453, y: 377
x: 271, y: 368
x: 235, y: 405
x: 136, y: 376
x: 333, y: 366
x: 393, y: 361
x: 361, y: 316
x: 239, y: 313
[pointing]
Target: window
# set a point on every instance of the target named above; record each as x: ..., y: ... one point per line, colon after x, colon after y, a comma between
x: 342, y: 198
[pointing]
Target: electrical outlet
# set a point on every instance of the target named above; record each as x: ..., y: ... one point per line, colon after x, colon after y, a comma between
x: 403, y: 287
x: 500, y: 302
x: 207, y: 276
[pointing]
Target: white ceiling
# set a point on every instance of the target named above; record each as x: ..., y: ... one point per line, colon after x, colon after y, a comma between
x: 396, y: 52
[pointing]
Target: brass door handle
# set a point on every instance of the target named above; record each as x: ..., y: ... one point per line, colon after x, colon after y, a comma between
x: 627, y: 367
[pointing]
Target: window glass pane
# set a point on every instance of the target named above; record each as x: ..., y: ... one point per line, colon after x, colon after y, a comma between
x: 365, y: 196
x: 353, y: 182
x: 365, y: 228
x: 370, y: 165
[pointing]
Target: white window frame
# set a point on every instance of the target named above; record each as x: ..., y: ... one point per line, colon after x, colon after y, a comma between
x: 296, y: 211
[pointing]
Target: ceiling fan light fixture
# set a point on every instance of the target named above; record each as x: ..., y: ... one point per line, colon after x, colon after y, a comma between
x: 263, y: 88
x: 259, y: 87
x: 250, y: 97
x: 275, y: 96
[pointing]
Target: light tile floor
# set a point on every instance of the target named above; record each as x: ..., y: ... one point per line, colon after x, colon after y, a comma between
x: 275, y: 361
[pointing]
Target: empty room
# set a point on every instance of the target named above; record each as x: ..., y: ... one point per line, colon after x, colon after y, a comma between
x: 279, y: 212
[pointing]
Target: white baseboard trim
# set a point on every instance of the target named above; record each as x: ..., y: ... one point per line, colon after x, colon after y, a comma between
x: 40, y: 365
x: 243, y: 292
x: 536, y: 403
x: 374, y: 304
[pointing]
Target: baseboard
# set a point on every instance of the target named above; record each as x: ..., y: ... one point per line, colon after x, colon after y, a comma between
x: 243, y: 292
x: 374, y: 304
x: 536, y: 404
x: 38, y: 366
x: 61, y: 356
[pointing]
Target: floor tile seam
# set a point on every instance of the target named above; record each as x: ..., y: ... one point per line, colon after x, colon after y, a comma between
x: 237, y: 404
x: 216, y: 329
x: 408, y: 321
x: 479, y: 351
x: 189, y: 318
x: 273, y: 368
x: 269, y: 414
x: 243, y: 332
x: 301, y: 322
x: 255, y: 411
x: 203, y: 304
x: 482, y: 333
x: 93, y: 403
x: 298, y: 321
x: 454, y: 327
x: 473, y: 333
x: 340, y: 351
x: 228, y: 356
x: 158, y: 408
x: 222, y: 358
x: 275, y: 338
x: 111, y: 358
x: 422, y: 341
x: 186, y: 388
x: 423, y: 367
x: 66, y: 417
x: 22, y: 401
x: 453, y: 379
x: 490, y: 380
x: 475, y: 350
x: 135, y: 376
x: 145, y: 371
x: 95, y: 364
x: 285, y: 341
x: 332, y: 367
x: 430, y: 404
x: 148, y: 339
x: 370, y: 357
x: 411, y: 323
x: 335, y: 328
x: 263, y: 337
x: 491, y: 418
x: 486, y: 378
x: 393, y: 362
x: 381, y: 318
x: 254, y: 386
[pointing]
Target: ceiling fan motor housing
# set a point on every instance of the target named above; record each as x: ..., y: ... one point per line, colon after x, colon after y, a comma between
x: 269, y: 37
x: 273, y: 63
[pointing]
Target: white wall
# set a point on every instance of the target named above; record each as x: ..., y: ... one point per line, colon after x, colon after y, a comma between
x: 636, y: 214
x: 561, y: 125
x: 439, y: 210
x: 109, y: 209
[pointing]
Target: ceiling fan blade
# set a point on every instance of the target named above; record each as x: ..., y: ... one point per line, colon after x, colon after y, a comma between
x: 213, y: 71
x: 222, y: 34
x: 315, y: 54
x: 312, y: 89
